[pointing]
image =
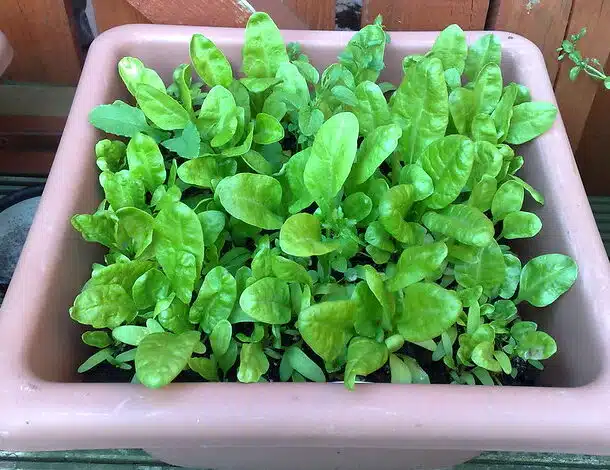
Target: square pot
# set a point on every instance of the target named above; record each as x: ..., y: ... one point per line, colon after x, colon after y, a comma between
x: 44, y: 405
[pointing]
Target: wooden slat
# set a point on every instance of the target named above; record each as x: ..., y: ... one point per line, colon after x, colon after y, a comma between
x: 543, y: 23
x: 316, y: 14
x: 426, y: 15
x: 42, y: 36
x: 575, y: 98
x: 111, y: 13
x: 592, y: 154
x: 232, y: 13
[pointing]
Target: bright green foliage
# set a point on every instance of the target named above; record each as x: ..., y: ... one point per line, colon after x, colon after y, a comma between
x: 318, y: 225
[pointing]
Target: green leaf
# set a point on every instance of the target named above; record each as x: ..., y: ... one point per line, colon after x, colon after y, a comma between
x: 300, y: 362
x: 99, y: 227
x: 290, y: 271
x: 220, y: 338
x: 545, y: 278
x: 164, y: 111
x: 487, y: 89
x: 97, y: 339
x: 364, y: 356
x: 301, y: 235
x: 182, y: 80
x: 103, y: 306
x: 372, y: 110
x: 332, y: 155
x: 536, y: 195
x: 483, y: 129
x: 374, y: 150
x: 418, y: 375
x: 215, y: 299
x: 399, y: 371
x: 134, y: 230
x: 521, y: 225
x: 149, y: 288
x: 130, y: 334
x: 421, y: 181
x: 122, y: 189
x: 511, y: 279
x: 267, y: 129
x: 118, y: 118
x: 536, y: 345
x: 462, y: 222
x: 178, y: 242
x: 187, y: 144
x: 110, y: 155
x: 482, y: 355
x: 485, y: 50
x: 384, y: 297
x: 253, y: 199
x: 357, y: 206
x: 206, y: 368
x: 420, y: 108
x: 209, y: 62
x: 293, y: 88
x: 363, y: 55
x: 227, y: 360
x: 310, y: 120
x: 530, y: 120
x: 134, y: 73
x: 173, y: 316
x: 145, y: 161
x: 508, y: 198
x: 327, y: 327
x: 124, y: 274
x: 461, y: 106
x: 416, y: 263
x: 212, y: 225
x: 217, y: 119
x: 96, y: 359
x: 487, y: 161
x: 267, y: 301
x: 489, y: 271
x: 450, y: 47
x: 393, y: 210
x: 428, y: 311
x: 448, y: 161
x: 253, y: 362
x: 264, y: 50
x: 483, y: 193
x: 200, y: 172
x: 162, y: 356
x: 503, y: 113
x: 378, y: 237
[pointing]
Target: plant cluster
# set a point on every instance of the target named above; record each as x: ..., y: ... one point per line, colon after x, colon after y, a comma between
x: 296, y: 226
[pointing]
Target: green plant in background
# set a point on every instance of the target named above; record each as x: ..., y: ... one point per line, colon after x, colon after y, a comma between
x: 592, y: 67
x: 293, y: 226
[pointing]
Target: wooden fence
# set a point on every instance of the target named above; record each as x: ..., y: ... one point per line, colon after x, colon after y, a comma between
x: 43, y: 35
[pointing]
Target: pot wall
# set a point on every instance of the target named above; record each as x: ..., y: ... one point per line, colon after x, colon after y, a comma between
x: 286, y: 425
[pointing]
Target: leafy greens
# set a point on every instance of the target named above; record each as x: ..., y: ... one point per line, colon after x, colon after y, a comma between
x: 292, y: 225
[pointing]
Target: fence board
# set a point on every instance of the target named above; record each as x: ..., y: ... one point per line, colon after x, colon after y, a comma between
x: 317, y: 14
x: 41, y: 32
x: 543, y: 22
x: 592, y: 152
x: 426, y: 15
x: 216, y: 12
x: 111, y: 13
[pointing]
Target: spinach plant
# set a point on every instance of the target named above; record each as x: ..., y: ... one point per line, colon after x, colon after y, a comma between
x: 287, y: 224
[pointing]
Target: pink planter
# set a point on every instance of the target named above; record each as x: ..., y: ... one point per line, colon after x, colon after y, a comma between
x: 295, y: 426
x: 6, y: 53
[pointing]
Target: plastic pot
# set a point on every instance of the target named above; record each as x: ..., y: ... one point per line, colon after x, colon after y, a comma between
x: 295, y: 426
